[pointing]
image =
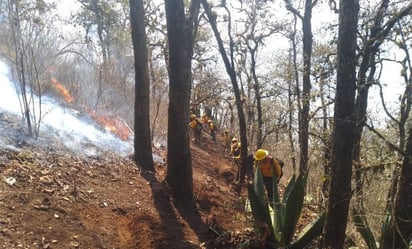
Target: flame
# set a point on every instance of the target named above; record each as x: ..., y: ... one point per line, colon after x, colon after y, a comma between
x: 62, y: 90
x: 115, y: 125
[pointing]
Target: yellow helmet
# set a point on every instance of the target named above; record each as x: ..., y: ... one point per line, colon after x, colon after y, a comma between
x: 192, y: 116
x: 261, y: 154
x: 234, y: 140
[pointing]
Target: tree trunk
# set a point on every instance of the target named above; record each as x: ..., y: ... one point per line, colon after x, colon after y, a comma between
x: 180, y: 37
x: 365, y: 79
x: 344, y: 127
x: 326, y: 145
x: 256, y: 86
x: 230, y: 69
x: 366, y: 75
x: 400, y: 229
x: 293, y: 91
x: 304, y: 115
x: 304, y: 106
x: 403, y: 204
x: 142, y: 140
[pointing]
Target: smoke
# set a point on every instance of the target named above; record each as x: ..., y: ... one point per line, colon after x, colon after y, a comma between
x: 8, y: 96
x: 78, y: 132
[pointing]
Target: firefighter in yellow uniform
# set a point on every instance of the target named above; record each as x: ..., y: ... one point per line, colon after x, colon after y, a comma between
x: 235, y: 149
x: 204, y: 119
x: 271, y: 169
x: 235, y: 155
x: 212, y: 129
x: 196, y: 127
x: 226, y: 141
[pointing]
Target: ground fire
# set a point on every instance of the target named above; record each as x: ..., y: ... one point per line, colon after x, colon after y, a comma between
x: 115, y: 125
x: 62, y: 90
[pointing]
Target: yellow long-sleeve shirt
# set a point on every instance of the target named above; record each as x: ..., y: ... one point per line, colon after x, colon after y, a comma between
x: 270, y: 167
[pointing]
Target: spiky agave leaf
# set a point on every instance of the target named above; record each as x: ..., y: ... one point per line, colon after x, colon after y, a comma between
x: 289, y: 188
x: 385, y: 229
x: 294, y: 204
x: 363, y: 228
x: 286, y: 213
x: 309, y: 233
x: 278, y: 214
x: 260, y: 209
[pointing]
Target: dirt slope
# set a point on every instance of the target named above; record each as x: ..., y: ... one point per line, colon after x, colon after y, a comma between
x: 50, y: 199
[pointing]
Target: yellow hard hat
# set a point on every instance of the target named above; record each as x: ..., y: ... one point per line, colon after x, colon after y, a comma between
x: 234, y: 140
x: 261, y: 154
x: 193, y: 116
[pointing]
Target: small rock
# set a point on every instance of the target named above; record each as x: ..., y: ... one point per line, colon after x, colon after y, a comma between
x: 10, y: 180
x: 75, y: 244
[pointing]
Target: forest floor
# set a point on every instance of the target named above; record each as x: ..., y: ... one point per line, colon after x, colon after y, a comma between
x: 53, y: 199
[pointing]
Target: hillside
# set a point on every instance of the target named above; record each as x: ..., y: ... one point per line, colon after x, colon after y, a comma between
x: 51, y: 198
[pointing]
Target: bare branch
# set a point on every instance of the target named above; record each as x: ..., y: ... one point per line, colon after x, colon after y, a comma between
x: 292, y: 9
x: 391, y: 145
x: 384, y: 105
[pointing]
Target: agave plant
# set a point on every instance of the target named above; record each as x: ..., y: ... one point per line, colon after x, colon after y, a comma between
x: 278, y: 229
x: 365, y: 231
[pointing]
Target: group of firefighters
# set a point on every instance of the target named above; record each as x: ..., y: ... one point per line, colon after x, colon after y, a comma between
x: 270, y: 167
x: 198, y: 124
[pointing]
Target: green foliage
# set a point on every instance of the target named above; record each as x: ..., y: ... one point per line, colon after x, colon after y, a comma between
x: 286, y: 213
x: 294, y: 206
x: 259, y: 207
x: 365, y: 231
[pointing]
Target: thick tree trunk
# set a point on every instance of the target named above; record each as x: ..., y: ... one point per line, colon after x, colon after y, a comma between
x: 142, y: 140
x: 180, y: 36
x: 344, y: 126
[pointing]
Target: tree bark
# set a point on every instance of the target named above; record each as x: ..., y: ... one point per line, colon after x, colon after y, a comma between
x: 366, y: 75
x: 256, y: 86
x: 142, y: 140
x: 400, y: 230
x: 180, y: 37
x: 326, y: 145
x: 293, y: 91
x: 306, y: 82
x: 344, y: 126
x: 304, y: 115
